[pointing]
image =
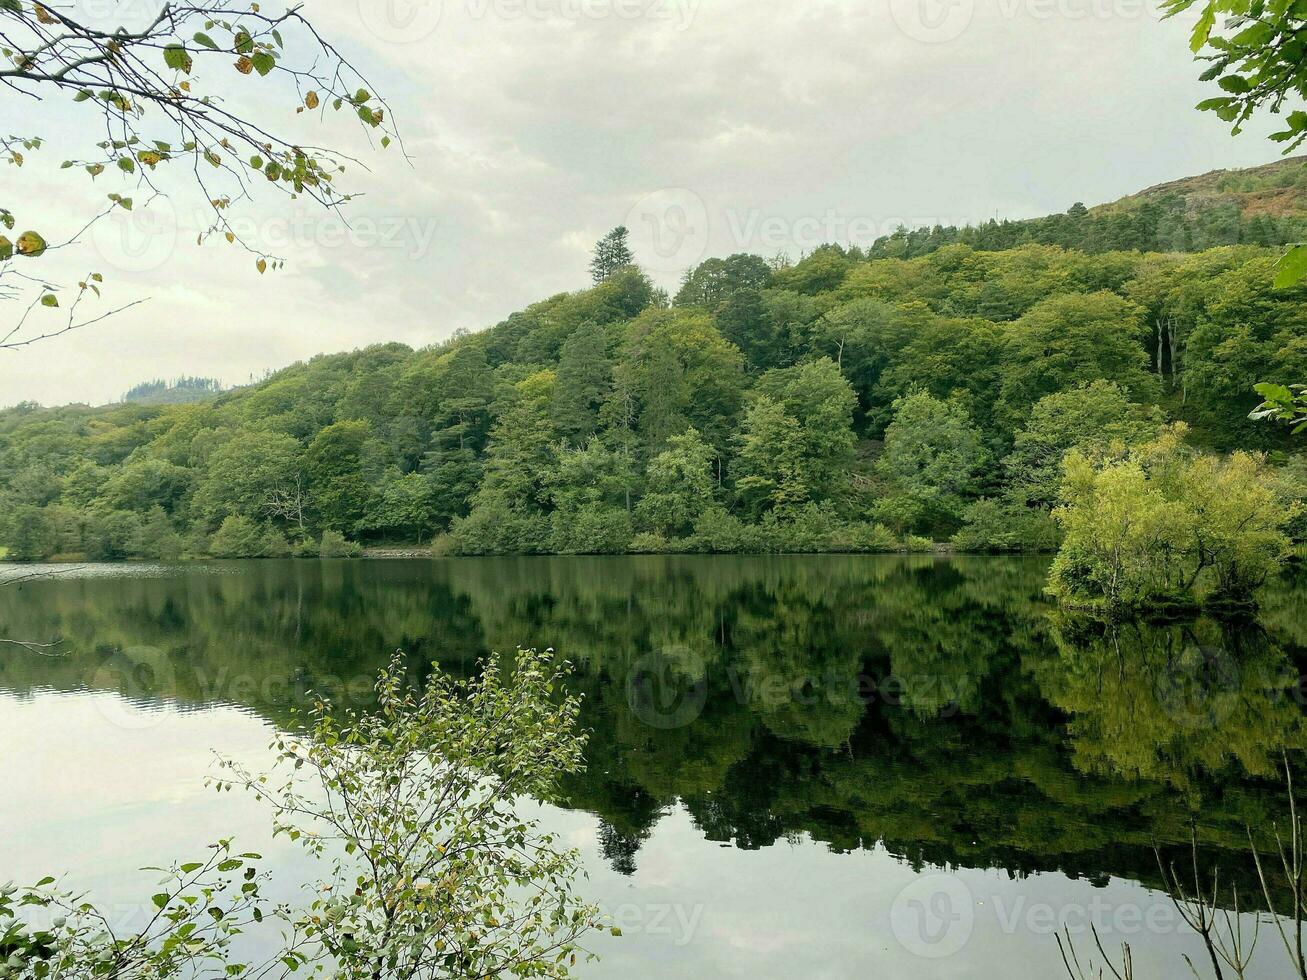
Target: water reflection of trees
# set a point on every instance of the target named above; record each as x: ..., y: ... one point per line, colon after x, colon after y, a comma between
x: 935, y: 707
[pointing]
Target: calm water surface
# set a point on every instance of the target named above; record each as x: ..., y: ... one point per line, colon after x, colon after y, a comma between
x: 800, y: 767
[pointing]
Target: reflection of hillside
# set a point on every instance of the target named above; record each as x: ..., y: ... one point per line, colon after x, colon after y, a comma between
x: 985, y: 732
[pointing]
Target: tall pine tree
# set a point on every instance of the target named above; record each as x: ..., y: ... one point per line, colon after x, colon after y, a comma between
x: 612, y: 254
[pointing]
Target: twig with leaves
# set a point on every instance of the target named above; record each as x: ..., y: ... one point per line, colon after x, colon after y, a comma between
x: 166, y: 93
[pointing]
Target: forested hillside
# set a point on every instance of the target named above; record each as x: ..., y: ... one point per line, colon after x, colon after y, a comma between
x: 179, y: 392
x: 842, y: 403
x: 1264, y: 205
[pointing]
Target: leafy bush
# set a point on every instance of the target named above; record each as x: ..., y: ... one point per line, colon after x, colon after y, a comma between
x: 500, y: 532
x: 863, y: 536
x: 334, y: 545
x: 719, y: 532
x: 656, y: 544
x: 1165, y: 525
x: 414, y: 805
x: 107, y: 535
x: 156, y: 538
x: 996, y: 526
x: 240, y: 537
x: 591, y: 529
x: 28, y: 534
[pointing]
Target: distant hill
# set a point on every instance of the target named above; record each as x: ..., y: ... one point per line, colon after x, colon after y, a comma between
x: 182, y: 391
x: 1264, y: 205
x: 1276, y: 190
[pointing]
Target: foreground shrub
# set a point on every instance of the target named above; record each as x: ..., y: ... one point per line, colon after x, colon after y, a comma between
x: 410, y: 811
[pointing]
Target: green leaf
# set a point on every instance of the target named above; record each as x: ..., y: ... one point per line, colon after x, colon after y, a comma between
x: 127, y: 165
x: 1273, y: 392
x: 1203, y: 29
x: 177, y: 58
x: 161, y: 899
x: 244, y: 43
x: 1292, y: 267
x: 207, y: 41
x: 263, y: 62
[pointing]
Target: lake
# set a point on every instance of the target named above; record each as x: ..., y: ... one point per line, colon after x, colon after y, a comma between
x: 817, y: 767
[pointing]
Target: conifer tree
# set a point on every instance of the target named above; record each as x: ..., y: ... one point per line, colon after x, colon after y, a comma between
x: 612, y: 254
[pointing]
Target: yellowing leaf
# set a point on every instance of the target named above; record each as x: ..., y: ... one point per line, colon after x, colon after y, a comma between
x: 311, y: 100
x: 31, y: 244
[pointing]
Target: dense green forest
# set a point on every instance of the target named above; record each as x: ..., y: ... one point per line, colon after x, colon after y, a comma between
x: 843, y: 402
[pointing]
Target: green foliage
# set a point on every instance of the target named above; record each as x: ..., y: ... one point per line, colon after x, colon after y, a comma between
x: 902, y: 391
x: 28, y: 534
x: 403, y: 507
x: 244, y: 473
x: 411, y: 812
x: 1089, y: 416
x: 335, y: 463
x: 680, y: 486
x: 797, y: 441
x: 421, y: 794
x: 179, y: 392
x: 932, y: 455
x: 611, y: 255
x: 108, y: 535
x: 1163, y: 525
x: 998, y: 526
x: 334, y: 545
x: 156, y: 538
x: 584, y: 378
x: 1193, y: 214
x: 1283, y: 403
x: 1070, y: 340
x: 715, y: 282
x: 194, y: 925
x: 240, y: 537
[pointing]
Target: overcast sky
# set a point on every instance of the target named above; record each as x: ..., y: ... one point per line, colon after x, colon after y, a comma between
x: 707, y: 126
